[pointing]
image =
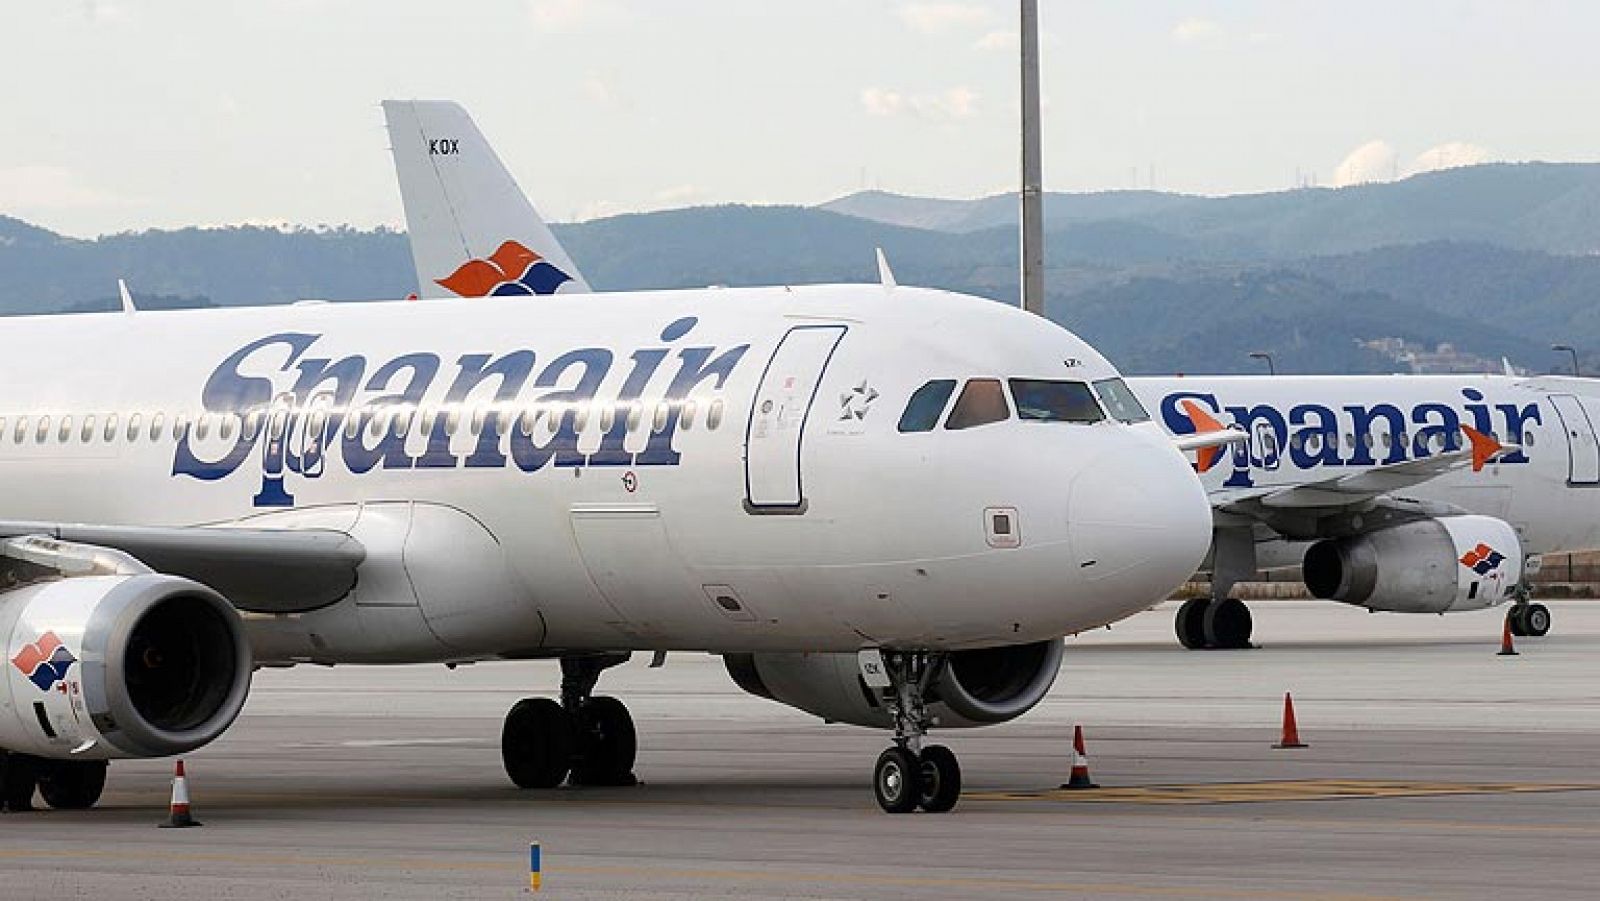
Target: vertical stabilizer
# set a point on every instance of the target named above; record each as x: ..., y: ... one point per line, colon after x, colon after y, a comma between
x: 473, y: 232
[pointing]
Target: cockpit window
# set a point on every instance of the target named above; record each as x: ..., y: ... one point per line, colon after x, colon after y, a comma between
x: 1120, y: 401
x: 1042, y: 401
x: 922, y: 412
x: 982, y: 401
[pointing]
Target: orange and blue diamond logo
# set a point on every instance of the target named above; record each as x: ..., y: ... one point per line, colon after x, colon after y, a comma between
x: 510, y: 271
x: 1483, y: 559
x: 45, y: 662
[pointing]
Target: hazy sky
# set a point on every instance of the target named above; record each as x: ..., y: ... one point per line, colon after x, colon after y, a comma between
x: 128, y: 114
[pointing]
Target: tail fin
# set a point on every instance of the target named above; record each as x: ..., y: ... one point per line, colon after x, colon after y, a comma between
x: 473, y: 231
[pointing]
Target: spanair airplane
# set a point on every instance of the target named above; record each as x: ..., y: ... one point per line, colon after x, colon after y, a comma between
x: 1404, y: 493
x: 882, y: 505
x: 1395, y: 493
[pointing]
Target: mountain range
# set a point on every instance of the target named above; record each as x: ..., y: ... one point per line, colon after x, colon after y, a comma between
x: 1495, y: 260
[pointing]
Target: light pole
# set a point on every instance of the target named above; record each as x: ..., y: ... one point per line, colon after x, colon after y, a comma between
x: 1558, y: 348
x: 1263, y: 355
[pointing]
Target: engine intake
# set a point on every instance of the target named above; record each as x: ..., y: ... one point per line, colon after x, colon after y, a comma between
x: 974, y: 688
x: 109, y: 666
x: 1429, y: 566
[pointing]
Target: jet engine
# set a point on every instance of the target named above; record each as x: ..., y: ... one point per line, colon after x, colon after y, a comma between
x: 118, y: 663
x: 1429, y: 566
x: 973, y: 688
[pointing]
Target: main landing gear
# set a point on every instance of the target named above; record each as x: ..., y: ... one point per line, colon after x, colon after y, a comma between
x: 1528, y: 620
x: 1214, y: 623
x: 909, y: 775
x: 63, y: 784
x: 586, y: 739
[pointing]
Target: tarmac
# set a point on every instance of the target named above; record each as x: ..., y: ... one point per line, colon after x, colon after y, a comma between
x: 1435, y: 769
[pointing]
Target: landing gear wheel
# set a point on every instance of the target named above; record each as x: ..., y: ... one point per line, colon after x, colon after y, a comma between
x: 607, y: 744
x: 896, y: 780
x: 536, y: 743
x: 18, y: 779
x: 1535, y: 620
x: 940, y: 780
x: 1517, y: 622
x: 1190, y: 623
x: 1228, y: 624
x: 73, y: 784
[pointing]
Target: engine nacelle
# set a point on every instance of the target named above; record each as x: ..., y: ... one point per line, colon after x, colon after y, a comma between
x: 112, y: 666
x: 1429, y: 566
x: 975, y: 688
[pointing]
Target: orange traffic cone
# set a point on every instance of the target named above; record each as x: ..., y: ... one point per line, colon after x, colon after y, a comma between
x: 1080, y: 763
x: 1291, y: 731
x: 1507, y: 648
x: 181, y: 817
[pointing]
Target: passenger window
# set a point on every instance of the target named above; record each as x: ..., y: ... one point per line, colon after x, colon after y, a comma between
x: 202, y: 426
x: 635, y: 414
x: 687, y: 418
x: 714, y: 415
x: 86, y: 434
x: 111, y: 428
x: 155, y: 426
x: 1121, y: 403
x: 22, y: 429
x: 133, y: 427
x: 180, y: 426
x: 926, y: 405
x: 2, y: 426
x: 982, y: 401
x: 1043, y: 401
x: 66, y: 429
x: 44, y: 430
x: 663, y: 416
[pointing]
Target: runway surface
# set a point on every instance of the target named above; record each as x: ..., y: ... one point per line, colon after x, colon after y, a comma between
x: 1436, y: 769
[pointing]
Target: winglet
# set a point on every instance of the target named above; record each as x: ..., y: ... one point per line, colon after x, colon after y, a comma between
x: 885, y: 274
x: 1485, y: 448
x: 1205, y: 457
x: 1510, y: 370
x: 127, y: 298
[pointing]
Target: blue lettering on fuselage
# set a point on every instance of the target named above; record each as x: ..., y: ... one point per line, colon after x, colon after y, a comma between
x: 297, y: 404
x: 1317, y: 436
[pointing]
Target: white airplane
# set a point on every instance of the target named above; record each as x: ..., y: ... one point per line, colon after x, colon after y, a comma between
x: 883, y: 505
x: 1372, y: 483
x: 1403, y: 493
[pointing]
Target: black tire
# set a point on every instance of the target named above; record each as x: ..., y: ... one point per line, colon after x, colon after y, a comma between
x: 18, y: 779
x: 73, y: 784
x: 1536, y: 621
x: 607, y: 744
x: 1517, y: 620
x: 1228, y: 624
x: 940, y: 778
x: 536, y: 743
x: 1190, y: 623
x: 896, y: 781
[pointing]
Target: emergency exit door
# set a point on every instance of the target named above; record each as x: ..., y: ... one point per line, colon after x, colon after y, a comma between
x: 775, y: 436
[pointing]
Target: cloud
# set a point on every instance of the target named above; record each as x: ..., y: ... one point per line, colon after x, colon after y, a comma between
x: 1195, y: 30
x: 1371, y: 162
x: 33, y: 188
x: 935, y: 18
x: 956, y: 103
x: 680, y: 195
x: 999, y: 42
x: 1449, y: 156
x: 570, y: 15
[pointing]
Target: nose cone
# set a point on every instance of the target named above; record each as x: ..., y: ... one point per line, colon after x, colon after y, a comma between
x: 1139, y: 523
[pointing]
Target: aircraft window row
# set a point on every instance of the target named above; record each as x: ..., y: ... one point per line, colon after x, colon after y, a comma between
x: 397, y: 421
x: 985, y: 401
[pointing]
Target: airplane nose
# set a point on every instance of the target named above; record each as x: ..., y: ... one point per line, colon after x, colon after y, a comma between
x: 1139, y: 523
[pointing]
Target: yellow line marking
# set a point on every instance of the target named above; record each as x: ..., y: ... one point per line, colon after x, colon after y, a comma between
x: 1256, y: 792
x: 511, y: 864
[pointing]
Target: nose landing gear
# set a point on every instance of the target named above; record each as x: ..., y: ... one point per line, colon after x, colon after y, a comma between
x: 908, y: 775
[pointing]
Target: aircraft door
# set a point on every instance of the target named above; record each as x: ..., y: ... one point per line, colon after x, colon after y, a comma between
x: 1584, y: 450
x: 773, y: 438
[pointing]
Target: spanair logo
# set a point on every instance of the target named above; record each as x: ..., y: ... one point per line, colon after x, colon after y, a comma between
x: 45, y: 662
x: 1483, y: 559
x: 511, y: 271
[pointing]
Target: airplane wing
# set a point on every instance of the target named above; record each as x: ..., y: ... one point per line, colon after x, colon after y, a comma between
x: 1309, y: 509
x: 258, y: 570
